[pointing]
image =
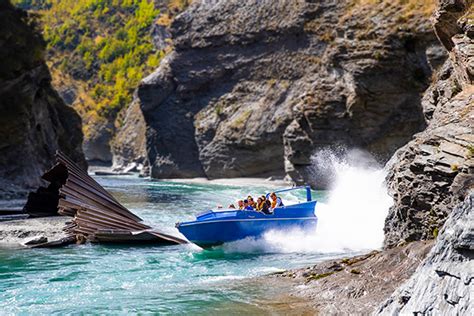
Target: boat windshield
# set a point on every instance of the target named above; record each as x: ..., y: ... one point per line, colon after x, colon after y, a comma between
x: 218, y: 214
x: 295, y: 197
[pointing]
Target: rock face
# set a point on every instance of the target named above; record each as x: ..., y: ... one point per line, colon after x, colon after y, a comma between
x: 442, y: 284
x: 34, y: 121
x: 129, y: 146
x: 255, y: 87
x: 433, y: 172
x: 97, y: 145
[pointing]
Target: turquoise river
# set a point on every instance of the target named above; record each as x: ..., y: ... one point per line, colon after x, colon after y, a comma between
x: 102, y: 279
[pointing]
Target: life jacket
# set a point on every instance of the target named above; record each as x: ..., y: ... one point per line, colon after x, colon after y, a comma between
x: 277, y: 202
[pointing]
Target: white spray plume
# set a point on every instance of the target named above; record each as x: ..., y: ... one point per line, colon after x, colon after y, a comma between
x: 351, y: 219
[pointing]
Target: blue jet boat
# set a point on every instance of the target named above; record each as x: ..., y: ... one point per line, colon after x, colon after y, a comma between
x: 215, y: 228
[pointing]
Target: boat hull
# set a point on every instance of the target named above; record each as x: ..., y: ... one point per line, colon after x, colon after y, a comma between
x: 216, y: 228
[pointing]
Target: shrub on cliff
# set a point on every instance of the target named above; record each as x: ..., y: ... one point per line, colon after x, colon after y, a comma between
x: 105, y: 47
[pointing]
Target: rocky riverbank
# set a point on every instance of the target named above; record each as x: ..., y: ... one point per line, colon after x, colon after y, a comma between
x: 447, y: 273
x: 356, y: 285
x: 14, y: 233
x: 433, y: 172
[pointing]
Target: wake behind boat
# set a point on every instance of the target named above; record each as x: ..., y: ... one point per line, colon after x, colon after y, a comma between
x: 215, y: 228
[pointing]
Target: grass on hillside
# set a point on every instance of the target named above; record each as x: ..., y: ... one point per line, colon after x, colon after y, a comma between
x: 102, y: 47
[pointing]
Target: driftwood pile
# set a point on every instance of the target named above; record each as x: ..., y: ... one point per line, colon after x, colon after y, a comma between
x: 97, y: 215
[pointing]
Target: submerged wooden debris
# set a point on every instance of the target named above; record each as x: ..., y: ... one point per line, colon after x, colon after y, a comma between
x: 97, y: 215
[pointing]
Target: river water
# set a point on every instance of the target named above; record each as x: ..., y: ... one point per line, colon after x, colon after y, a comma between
x: 104, y: 279
x: 174, y: 279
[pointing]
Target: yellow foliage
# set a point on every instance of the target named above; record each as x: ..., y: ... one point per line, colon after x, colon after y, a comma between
x: 98, y: 39
x: 102, y: 48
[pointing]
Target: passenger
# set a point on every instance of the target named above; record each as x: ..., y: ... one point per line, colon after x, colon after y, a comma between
x: 259, y: 204
x: 276, y: 201
x: 247, y: 206
x: 251, y: 202
x: 232, y: 206
x: 266, y: 207
x: 241, y: 204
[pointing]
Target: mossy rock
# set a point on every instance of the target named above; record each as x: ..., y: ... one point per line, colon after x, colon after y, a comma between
x: 319, y: 276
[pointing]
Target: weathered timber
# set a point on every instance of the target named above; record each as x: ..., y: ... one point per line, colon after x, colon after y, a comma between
x: 97, y: 215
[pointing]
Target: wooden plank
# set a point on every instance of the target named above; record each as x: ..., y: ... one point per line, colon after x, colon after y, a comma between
x: 97, y: 215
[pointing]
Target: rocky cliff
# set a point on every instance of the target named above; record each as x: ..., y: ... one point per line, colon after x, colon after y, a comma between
x: 433, y: 172
x: 98, y: 51
x: 442, y: 284
x: 255, y: 87
x: 34, y: 121
x: 432, y: 181
x: 129, y: 146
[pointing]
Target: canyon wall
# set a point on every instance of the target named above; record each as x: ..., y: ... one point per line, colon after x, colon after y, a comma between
x: 254, y: 88
x: 34, y: 120
x: 432, y: 181
x: 432, y: 173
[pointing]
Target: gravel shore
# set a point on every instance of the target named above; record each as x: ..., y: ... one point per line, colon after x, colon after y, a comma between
x: 14, y: 233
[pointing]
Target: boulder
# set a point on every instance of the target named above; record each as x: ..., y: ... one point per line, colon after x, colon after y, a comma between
x: 97, y: 143
x: 36, y: 240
